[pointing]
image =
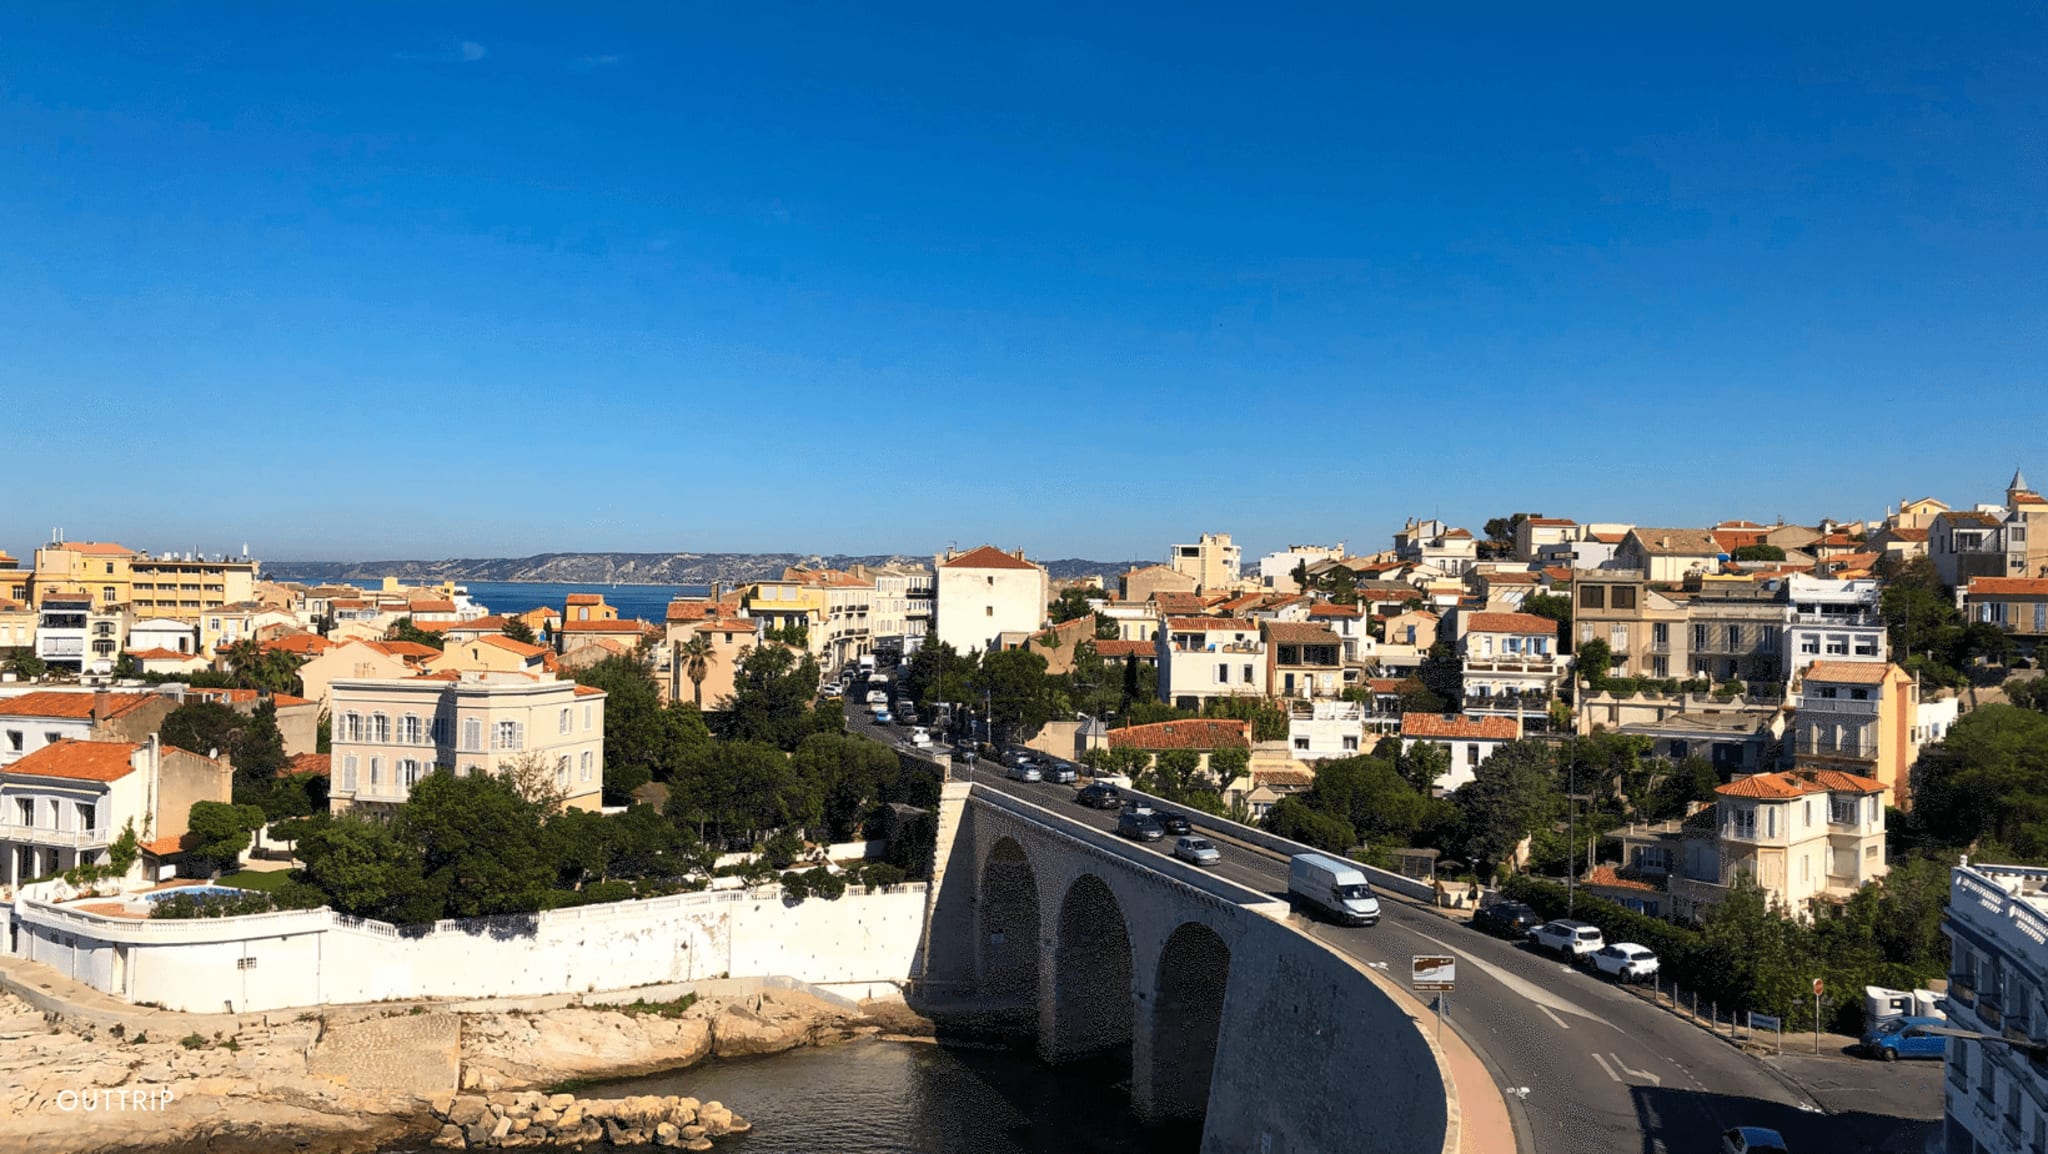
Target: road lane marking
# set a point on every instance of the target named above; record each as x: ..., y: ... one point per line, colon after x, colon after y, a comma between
x: 1654, y: 1079
x: 1605, y: 1067
x: 1527, y: 990
x: 1552, y: 1015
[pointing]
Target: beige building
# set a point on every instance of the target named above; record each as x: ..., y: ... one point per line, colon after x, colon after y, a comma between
x: 729, y: 638
x: 1644, y: 629
x: 65, y: 804
x: 1213, y: 562
x: 390, y: 733
x: 1668, y: 556
x: 847, y: 630
x: 491, y: 653
x: 1145, y: 583
x: 589, y: 607
x: 180, y: 587
x: 360, y: 660
x: 1801, y: 836
x: 1858, y: 717
x: 17, y: 624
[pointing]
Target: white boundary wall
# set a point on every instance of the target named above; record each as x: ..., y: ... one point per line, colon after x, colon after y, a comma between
x: 861, y: 943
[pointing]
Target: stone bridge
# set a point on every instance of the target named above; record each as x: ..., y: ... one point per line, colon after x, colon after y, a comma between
x: 1226, y: 1010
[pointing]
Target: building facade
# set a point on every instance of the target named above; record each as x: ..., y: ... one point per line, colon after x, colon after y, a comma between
x: 1995, y: 1096
x: 1213, y: 562
x: 1832, y: 620
x: 65, y: 804
x: 1858, y: 717
x: 985, y: 593
x: 1205, y: 657
x: 2018, y: 605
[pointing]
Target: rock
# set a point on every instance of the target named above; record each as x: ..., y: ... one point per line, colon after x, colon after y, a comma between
x: 470, y: 1078
x: 503, y: 1128
x: 519, y: 1125
x: 682, y: 1115
x: 545, y: 1116
x: 466, y: 1109
x: 560, y: 1102
x: 450, y: 1138
x: 667, y: 1134
x: 738, y: 1125
x: 698, y: 1144
x: 715, y: 1118
x: 478, y: 1134
x: 572, y: 1116
x: 688, y: 1103
x: 614, y: 1133
x: 738, y: 1032
x: 692, y: 1132
x: 599, y: 1108
x: 440, y: 1103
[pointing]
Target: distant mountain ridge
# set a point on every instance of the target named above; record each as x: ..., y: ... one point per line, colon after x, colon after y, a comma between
x: 625, y: 568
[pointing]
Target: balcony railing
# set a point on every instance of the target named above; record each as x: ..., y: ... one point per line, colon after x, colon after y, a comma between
x: 44, y: 835
x: 1814, y: 704
x: 1860, y: 617
x: 1538, y: 665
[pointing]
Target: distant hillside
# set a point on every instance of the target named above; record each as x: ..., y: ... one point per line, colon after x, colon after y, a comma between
x: 628, y: 568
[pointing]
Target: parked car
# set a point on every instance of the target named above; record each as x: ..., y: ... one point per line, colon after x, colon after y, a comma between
x: 1508, y: 919
x: 1572, y: 939
x: 832, y: 691
x: 1907, y: 1037
x: 1024, y: 772
x: 906, y: 717
x: 877, y: 697
x: 1100, y: 796
x: 921, y: 737
x: 1138, y: 825
x: 1197, y: 850
x: 1175, y: 824
x: 1063, y: 773
x: 1752, y: 1140
x: 1626, y: 962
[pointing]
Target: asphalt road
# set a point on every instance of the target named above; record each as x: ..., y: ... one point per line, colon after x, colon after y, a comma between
x: 1585, y: 1066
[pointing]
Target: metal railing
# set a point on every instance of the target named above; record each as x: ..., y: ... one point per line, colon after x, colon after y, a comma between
x: 44, y: 835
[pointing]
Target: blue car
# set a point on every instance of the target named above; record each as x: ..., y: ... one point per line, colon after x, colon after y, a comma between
x: 882, y: 717
x: 1896, y: 1038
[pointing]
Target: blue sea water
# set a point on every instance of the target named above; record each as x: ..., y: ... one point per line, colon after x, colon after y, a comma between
x: 646, y: 602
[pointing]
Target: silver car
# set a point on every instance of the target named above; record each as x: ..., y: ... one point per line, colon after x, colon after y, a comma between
x: 1198, y: 850
x: 1025, y: 772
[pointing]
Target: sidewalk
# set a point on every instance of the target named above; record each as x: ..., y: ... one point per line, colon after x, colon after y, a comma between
x: 1484, y: 1126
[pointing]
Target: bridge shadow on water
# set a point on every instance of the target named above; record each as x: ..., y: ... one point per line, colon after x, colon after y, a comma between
x: 1680, y: 1121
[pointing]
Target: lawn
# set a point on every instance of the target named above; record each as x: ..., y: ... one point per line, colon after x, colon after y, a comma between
x: 267, y: 881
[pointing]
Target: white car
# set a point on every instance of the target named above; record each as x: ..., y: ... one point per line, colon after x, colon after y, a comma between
x: 877, y: 697
x: 921, y: 737
x: 1626, y: 962
x: 1199, y: 850
x: 1572, y: 939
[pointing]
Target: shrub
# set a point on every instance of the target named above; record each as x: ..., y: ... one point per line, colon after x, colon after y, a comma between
x: 825, y: 884
x: 881, y: 874
x: 795, y: 886
x: 191, y: 905
x: 192, y: 1041
x: 782, y: 849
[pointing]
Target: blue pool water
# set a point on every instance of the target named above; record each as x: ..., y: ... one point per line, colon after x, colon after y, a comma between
x: 196, y: 891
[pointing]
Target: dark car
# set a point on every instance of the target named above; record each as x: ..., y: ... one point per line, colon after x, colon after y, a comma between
x: 1100, y: 797
x: 1508, y: 919
x: 1174, y: 824
x: 1138, y: 826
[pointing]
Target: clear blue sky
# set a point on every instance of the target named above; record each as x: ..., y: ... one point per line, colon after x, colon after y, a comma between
x: 434, y: 280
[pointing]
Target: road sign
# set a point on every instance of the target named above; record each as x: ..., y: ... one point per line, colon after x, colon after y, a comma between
x: 1818, y: 988
x: 1433, y: 972
x: 1765, y: 1022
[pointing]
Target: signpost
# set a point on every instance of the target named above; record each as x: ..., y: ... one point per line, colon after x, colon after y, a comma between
x: 1767, y: 1022
x: 1437, y: 972
x: 1817, y: 988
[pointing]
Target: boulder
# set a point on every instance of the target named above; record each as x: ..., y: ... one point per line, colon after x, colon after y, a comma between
x: 572, y: 1116
x: 478, y: 1133
x: 692, y: 1132
x: 667, y: 1134
x: 450, y: 1138
x: 699, y: 1144
x: 560, y: 1102
x: 503, y: 1128
x: 738, y: 1125
x: 467, y: 1108
x: 614, y: 1133
x: 715, y: 1118
x: 439, y: 1103
x: 739, y: 1031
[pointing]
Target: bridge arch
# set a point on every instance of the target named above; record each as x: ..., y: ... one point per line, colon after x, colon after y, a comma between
x: 1007, y: 964
x: 1187, y: 1016
x: 1091, y: 975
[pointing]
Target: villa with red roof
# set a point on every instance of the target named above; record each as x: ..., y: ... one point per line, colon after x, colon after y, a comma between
x: 986, y: 592
x: 67, y: 803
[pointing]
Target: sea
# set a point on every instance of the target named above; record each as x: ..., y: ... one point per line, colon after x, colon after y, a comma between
x: 645, y: 602
x: 883, y: 1097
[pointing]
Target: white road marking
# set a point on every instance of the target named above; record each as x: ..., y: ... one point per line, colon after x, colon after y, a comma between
x: 1654, y: 1079
x: 1552, y: 1015
x: 1528, y: 991
x: 1605, y: 1067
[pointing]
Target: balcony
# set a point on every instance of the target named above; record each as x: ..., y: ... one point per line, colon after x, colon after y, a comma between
x: 61, y: 838
x: 1843, y: 705
x: 1539, y: 665
x: 1863, y: 618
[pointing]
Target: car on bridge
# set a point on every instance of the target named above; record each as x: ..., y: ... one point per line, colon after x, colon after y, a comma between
x: 1062, y: 772
x: 1508, y: 919
x: 1626, y: 962
x: 1174, y: 824
x: 1138, y: 825
x: 882, y: 716
x: 1024, y: 771
x: 921, y: 737
x: 1198, y: 850
x: 1906, y: 1037
x: 1571, y: 939
x: 1100, y: 796
x: 877, y: 697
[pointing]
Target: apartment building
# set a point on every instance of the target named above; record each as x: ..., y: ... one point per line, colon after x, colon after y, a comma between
x: 849, y: 613
x: 1468, y: 740
x: 76, y: 633
x: 65, y: 804
x: 1213, y: 562
x: 1511, y: 664
x: 1801, y: 836
x: 1643, y: 628
x: 389, y: 733
x: 588, y: 607
x: 178, y: 586
x: 1858, y: 717
x: 2018, y: 605
x: 1832, y: 620
x: 1304, y: 659
x: 1995, y: 1094
x: 1146, y: 582
x: 1205, y: 657
x: 984, y: 593
x: 1538, y: 536
x: 1735, y: 629
x: 1276, y: 570
x: 727, y: 641
x: 1451, y: 552
x: 15, y: 581
x: 492, y: 653
x: 1668, y: 556
x: 17, y: 623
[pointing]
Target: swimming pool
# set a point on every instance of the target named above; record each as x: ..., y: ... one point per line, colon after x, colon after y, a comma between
x: 207, y: 891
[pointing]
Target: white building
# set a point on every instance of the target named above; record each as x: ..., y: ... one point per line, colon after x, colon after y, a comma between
x: 1276, y: 570
x: 1205, y: 657
x: 1449, y: 551
x: 1468, y: 740
x: 30, y: 721
x: 985, y: 593
x: 1832, y: 620
x: 71, y: 633
x: 164, y: 633
x: 389, y: 733
x: 1995, y: 1096
x: 1317, y: 730
x: 1511, y: 664
x: 64, y: 805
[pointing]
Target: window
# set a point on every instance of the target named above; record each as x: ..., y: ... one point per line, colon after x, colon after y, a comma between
x: 348, y: 773
x: 472, y: 735
x: 1735, y: 637
x: 1593, y: 597
x: 409, y: 730
x: 506, y: 735
x: 1838, y: 644
x: 1699, y: 637
x: 564, y: 728
x: 1741, y: 822
x: 1660, y: 667
x: 1471, y: 753
x: 410, y: 770
x: 1859, y: 695
x: 1770, y: 821
x: 1844, y: 863
x: 586, y: 765
x: 1247, y: 675
x: 352, y: 726
x: 87, y: 816
x: 562, y: 772
x: 589, y: 713
x: 14, y: 740
x: 1222, y: 673
x: 1350, y: 743
x: 1301, y: 743
x: 988, y: 610
x: 380, y: 728
x: 1660, y: 634
x: 1829, y: 692
x: 1809, y: 643
x: 25, y: 812
x: 1617, y: 639
x: 1807, y: 805
x: 1622, y: 597
x: 2041, y: 617
x: 376, y: 772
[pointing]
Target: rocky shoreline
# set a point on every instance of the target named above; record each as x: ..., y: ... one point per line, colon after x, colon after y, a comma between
x: 350, y: 1080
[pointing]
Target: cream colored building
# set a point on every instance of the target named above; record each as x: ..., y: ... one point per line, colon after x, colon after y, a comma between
x: 388, y: 734
x: 358, y: 660
x: 985, y: 593
x: 1213, y: 562
x: 731, y: 638
x: 492, y: 653
x: 1644, y: 629
x: 1801, y: 836
x: 1668, y: 556
x: 848, y: 630
x: 178, y: 586
x: 65, y: 804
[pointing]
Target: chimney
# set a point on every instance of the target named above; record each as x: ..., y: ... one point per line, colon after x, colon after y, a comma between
x: 102, y: 705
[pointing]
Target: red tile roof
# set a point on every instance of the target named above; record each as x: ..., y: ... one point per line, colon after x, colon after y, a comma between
x: 588, y: 691
x: 1211, y: 625
x: 1126, y: 648
x: 1905, y: 534
x: 1605, y: 876
x: 586, y: 599
x: 693, y: 610
x: 1558, y: 573
x: 1332, y: 609
x: 403, y: 649
x: 1509, y: 577
x: 1551, y: 522
x: 243, y: 696
x: 165, y: 846
x: 1771, y: 787
x: 2008, y: 586
x: 1849, y: 672
x: 304, y: 643
x: 1384, y: 684
x: 431, y: 605
x: 1840, y: 782
x: 160, y: 655
x: 74, y: 706
x: 987, y: 557
x: 79, y: 761
x: 319, y: 763
x: 519, y: 648
x: 620, y: 626
x: 1511, y: 623
x: 1174, y: 601
x: 1200, y: 733
x: 1300, y: 633
x: 1456, y: 727
x: 98, y: 548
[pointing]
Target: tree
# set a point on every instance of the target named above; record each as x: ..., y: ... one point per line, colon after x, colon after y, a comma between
x: 1378, y: 800
x: 259, y: 751
x: 1017, y: 692
x: 403, y: 629
x: 1417, y: 697
x: 638, y: 743
x: 1512, y: 794
x: 220, y: 832
x: 774, y: 690
x: 1988, y: 779
x: 1500, y: 532
x: 24, y: 664
x: 1592, y: 662
x: 365, y: 869
x: 854, y: 778
x: 267, y: 670
x: 1443, y: 674
x: 1758, y: 552
x: 1227, y: 765
x: 518, y: 630
x: 1269, y: 721
x: 1557, y: 607
x: 206, y: 727
x: 1070, y: 604
x: 1920, y: 615
x: 479, y: 843
x: 694, y: 658
x: 1292, y: 819
x: 1421, y: 763
x: 2031, y: 693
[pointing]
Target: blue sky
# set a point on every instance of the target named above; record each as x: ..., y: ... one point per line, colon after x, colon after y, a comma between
x: 393, y: 280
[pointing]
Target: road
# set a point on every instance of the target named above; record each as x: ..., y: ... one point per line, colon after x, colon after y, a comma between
x: 1586, y: 1066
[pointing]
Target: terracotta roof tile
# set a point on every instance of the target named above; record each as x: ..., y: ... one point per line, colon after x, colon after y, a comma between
x: 1511, y: 623
x: 1677, y: 542
x: 165, y: 846
x: 1126, y: 648
x: 518, y: 648
x: 160, y: 655
x: 588, y: 691
x: 1459, y: 728
x: 623, y: 625
x: 79, y: 761
x: 1211, y: 625
x: 1849, y: 672
x: 2007, y: 586
x: 1770, y: 787
x: 586, y: 599
x: 1606, y: 876
x: 1551, y: 522
x: 1840, y: 782
x: 1332, y: 609
x: 1300, y: 633
x: 1199, y: 733
x: 319, y: 763
x: 304, y: 643
x: 74, y: 706
x: 987, y: 557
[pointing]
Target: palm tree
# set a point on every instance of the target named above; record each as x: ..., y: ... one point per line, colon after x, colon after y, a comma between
x: 695, y: 657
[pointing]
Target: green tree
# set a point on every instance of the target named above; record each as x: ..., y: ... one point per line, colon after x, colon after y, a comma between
x: 1988, y: 779
x: 1421, y: 764
x: 259, y: 753
x: 220, y: 832
x: 1418, y: 698
x: 1512, y: 794
x: 1269, y: 721
x: 638, y: 740
x: 1592, y: 662
x: 773, y: 700
x: 403, y: 629
x: 269, y: 670
x: 1443, y: 674
x: 205, y: 727
x: 365, y: 868
x: 518, y: 630
x: 480, y: 844
x: 1557, y: 607
x: 1373, y: 795
x: 23, y: 663
x: 694, y: 658
x: 1758, y: 552
x: 1292, y: 819
x: 1227, y: 765
x: 2030, y: 693
x: 1015, y: 689
x: 1070, y: 604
